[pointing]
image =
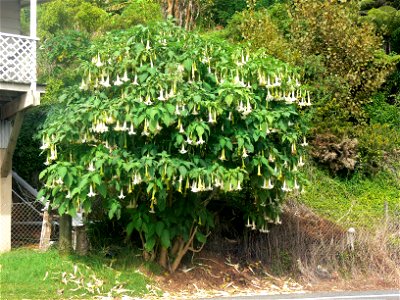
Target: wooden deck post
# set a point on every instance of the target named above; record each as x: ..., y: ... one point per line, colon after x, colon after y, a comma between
x: 6, y: 154
x: 5, y: 209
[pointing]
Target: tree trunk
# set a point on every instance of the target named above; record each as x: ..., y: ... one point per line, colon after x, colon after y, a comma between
x: 65, y: 238
x: 46, y: 231
x: 82, y: 243
x: 163, y: 261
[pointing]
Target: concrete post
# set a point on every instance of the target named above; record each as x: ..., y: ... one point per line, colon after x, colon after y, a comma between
x: 5, y: 208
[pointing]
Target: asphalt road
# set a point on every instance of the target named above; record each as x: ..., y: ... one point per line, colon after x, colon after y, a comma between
x: 363, y: 295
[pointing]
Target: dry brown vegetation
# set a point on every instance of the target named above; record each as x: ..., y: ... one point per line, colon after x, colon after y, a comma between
x: 306, y: 252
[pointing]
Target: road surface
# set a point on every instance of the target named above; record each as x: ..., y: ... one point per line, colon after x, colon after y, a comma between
x: 364, y: 295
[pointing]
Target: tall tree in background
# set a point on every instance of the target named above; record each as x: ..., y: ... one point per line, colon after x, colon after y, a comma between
x: 185, y: 12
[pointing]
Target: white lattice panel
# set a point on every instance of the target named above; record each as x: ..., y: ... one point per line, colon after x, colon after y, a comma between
x: 17, y: 58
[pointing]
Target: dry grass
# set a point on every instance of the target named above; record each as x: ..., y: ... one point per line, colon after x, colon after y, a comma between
x: 315, y: 250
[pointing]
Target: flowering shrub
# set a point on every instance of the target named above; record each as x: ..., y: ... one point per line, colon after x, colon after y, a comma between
x: 162, y: 122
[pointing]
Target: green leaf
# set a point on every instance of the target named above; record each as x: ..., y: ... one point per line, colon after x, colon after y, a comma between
x: 201, y: 237
x: 96, y: 179
x: 130, y: 227
x: 165, y: 239
x: 188, y: 64
x: 159, y: 228
x: 228, y: 100
x: 150, y: 243
x: 200, y: 130
x: 62, y: 171
x: 102, y: 189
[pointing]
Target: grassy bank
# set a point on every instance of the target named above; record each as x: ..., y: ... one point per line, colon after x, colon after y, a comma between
x: 29, y: 274
x: 355, y: 202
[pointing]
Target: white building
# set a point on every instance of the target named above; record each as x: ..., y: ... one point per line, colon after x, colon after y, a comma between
x: 18, y: 91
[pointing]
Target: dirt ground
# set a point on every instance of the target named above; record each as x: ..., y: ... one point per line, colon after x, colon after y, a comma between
x: 211, y: 275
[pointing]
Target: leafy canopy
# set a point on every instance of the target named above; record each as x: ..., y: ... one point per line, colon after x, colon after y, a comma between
x: 163, y: 121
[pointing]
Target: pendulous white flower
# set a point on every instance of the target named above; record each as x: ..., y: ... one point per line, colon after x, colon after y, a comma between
x: 308, y: 99
x: 45, y: 144
x: 83, y: 85
x: 304, y: 143
x: 182, y: 150
x: 210, y: 117
x: 296, y: 185
x: 98, y: 61
x: 300, y: 163
x: 91, y: 167
x: 161, y: 97
x: 222, y: 157
x: 135, y: 80
x: 181, y: 130
x: 177, y: 110
x: 248, y: 225
x: 285, y: 187
x: 267, y: 186
x: 194, y: 188
x: 125, y: 77
x: 106, y: 83
x: 124, y: 127
x: 91, y: 193
x: 118, y: 81
x: 131, y: 130
x: 239, y: 187
x: 200, y: 141
x: 244, y: 155
x: 148, y: 100
x: 121, y: 195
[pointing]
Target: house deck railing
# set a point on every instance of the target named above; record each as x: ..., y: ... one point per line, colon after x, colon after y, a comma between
x: 17, y: 58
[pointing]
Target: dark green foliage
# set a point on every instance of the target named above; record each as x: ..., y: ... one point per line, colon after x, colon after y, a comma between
x: 58, y: 56
x: 223, y: 10
x: 258, y: 30
x: 60, y: 15
x: 382, y: 112
x: 395, y: 40
x: 377, y: 147
x: 27, y: 161
x: 134, y: 13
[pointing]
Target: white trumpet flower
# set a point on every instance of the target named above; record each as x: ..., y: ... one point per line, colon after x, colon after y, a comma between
x: 296, y: 185
x: 304, y: 143
x: 83, y: 85
x: 244, y: 155
x: 161, y: 97
x: 91, y: 193
x: 98, y: 61
x: 248, y: 225
x: 106, y: 83
x: 132, y: 130
x: 285, y: 187
x: 135, y: 80
x: 200, y: 141
x: 125, y: 77
x: 181, y: 130
x: 118, y: 82
x: 300, y: 163
x: 91, y: 167
x: 210, y: 117
x: 183, y: 150
x: 121, y: 195
x: 148, y: 101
